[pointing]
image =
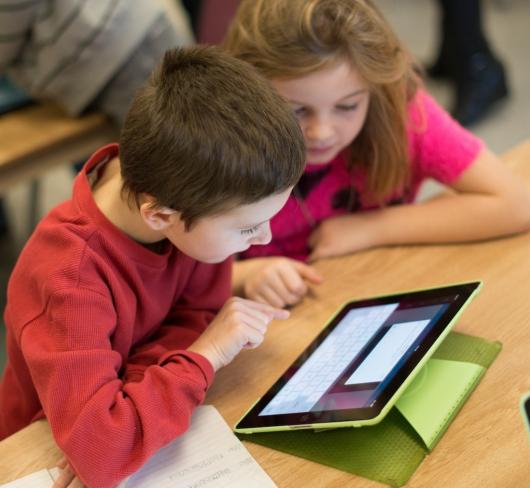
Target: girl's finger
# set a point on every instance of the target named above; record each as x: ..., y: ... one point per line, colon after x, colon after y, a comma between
x: 288, y: 286
x: 271, y: 298
x: 309, y: 273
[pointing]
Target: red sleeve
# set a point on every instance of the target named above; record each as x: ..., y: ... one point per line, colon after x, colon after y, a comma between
x: 106, y: 427
x: 206, y: 292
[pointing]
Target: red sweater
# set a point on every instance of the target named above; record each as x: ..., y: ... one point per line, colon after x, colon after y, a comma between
x: 97, y: 327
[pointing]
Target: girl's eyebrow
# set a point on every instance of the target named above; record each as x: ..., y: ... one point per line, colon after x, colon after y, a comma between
x: 352, y: 94
x: 349, y: 95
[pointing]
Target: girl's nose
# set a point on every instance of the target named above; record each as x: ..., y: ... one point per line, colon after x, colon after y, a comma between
x: 319, y: 129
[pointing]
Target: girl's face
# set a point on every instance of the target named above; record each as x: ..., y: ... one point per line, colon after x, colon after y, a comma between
x: 331, y: 105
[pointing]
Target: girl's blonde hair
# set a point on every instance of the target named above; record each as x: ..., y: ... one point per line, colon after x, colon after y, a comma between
x: 287, y: 39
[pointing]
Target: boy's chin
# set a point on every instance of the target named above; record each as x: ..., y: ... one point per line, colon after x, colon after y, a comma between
x: 211, y: 259
x: 215, y: 259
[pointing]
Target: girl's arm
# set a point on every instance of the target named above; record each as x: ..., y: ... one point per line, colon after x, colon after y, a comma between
x: 488, y: 201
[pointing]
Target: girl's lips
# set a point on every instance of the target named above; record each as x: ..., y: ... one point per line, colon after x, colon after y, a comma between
x: 319, y: 150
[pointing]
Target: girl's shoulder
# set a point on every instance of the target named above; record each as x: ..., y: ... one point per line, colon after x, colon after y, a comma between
x: 423, y: 111
x: 438, y: 145
x: 428, y: 121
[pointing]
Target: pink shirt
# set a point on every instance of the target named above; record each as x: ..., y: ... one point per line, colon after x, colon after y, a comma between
x: 439, y: 148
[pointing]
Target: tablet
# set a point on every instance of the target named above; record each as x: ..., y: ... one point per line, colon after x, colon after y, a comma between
x: 361, y: 362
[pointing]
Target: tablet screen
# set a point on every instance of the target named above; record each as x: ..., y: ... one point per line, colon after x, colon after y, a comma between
x: 360, y: 359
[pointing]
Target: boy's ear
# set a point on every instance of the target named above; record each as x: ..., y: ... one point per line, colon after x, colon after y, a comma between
x: 158, y: 218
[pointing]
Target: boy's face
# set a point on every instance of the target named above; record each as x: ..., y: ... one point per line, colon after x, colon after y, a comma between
x: 215, y: 238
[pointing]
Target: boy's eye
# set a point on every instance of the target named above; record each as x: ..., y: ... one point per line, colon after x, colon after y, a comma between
x: 347, y: 108
x: 248, y: 232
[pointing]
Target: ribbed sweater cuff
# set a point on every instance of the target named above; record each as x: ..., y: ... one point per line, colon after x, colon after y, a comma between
x: 200, y: 361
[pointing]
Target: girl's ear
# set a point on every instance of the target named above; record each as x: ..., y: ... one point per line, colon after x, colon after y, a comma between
x: 158, y: 218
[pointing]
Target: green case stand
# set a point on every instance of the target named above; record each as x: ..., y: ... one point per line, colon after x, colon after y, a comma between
x: 436, y: 394
x: 390, y: 451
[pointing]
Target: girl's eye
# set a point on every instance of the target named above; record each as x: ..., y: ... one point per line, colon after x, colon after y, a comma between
x: 249, y: 232
x: 347, y: 108
x: 300, y: 112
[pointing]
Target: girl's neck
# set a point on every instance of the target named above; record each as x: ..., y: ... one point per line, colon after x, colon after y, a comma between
x: 314, y: 167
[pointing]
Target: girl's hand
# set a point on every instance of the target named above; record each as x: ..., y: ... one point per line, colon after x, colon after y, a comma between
x: 67, y: 479
x: 280, y: 281
x: 342, y: 235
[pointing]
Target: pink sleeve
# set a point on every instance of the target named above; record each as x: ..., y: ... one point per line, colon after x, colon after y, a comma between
x: 440, y: 147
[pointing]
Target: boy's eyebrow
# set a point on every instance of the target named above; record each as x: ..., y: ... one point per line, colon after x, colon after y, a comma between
x: 349, y: 95
x: 253, y: 225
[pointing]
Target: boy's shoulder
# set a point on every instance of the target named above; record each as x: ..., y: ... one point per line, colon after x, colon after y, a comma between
x: 59, y: 242
x: 54, y: 259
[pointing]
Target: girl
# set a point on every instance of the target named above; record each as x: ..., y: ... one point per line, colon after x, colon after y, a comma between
x: 373, y: 135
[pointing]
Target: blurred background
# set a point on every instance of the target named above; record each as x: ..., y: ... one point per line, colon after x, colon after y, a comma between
x: 506, y: 23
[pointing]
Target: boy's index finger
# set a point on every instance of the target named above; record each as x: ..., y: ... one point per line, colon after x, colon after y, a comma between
x: 277, y: 313
x: 281, y: 313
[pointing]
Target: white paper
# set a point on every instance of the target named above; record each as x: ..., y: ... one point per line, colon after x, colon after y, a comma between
x: 39, y: 479
x: 55, y: 472
x: 208, y: 455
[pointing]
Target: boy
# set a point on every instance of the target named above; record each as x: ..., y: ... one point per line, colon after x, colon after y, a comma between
x: 109, y: 302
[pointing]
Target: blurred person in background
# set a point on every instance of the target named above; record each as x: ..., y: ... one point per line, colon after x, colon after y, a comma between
x: 466, y: 58
x: 87, y: 55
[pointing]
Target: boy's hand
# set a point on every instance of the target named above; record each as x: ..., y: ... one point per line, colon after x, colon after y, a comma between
x: 280, y: 282
x: 239, y: 324
x: 67, y: 478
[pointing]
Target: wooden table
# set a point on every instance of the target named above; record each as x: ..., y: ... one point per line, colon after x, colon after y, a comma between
x: 37, y: 137
x: 486, y: 446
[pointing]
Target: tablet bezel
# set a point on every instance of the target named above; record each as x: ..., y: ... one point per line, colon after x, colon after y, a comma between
x: 252, y: 422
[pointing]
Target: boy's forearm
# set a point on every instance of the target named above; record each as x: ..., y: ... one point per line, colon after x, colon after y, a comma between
x: 450, y: 218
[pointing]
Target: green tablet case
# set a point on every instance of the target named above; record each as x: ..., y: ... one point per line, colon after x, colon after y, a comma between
x: 390, y: 451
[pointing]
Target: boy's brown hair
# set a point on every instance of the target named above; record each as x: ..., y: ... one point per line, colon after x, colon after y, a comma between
x: 207, y: 133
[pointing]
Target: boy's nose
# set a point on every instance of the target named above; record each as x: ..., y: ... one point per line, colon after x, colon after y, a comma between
x: 264, y: 236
